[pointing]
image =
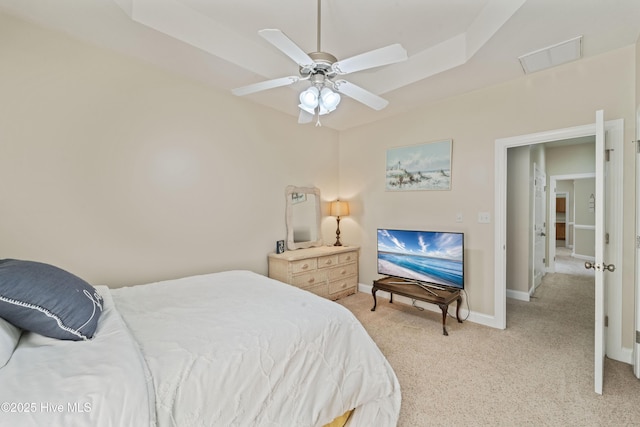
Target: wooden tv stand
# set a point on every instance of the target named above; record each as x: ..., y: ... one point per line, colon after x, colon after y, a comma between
x: 412, y: 290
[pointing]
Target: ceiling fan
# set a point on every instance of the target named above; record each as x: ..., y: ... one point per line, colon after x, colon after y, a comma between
x: 322, y: 70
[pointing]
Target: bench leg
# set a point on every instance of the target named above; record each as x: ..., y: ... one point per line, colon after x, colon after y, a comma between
x: 458, y: 309
x: 375, y: 302
x: 445, y: 309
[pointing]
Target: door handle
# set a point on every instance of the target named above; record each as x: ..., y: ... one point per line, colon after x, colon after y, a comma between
x: 609, y: 267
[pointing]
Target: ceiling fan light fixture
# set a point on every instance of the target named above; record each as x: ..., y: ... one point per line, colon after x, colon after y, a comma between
x: 320, y: 69
x: 329, y: 99
x: 309, y: 98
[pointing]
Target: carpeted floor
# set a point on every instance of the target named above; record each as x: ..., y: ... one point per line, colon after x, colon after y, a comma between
x: 537, y: 372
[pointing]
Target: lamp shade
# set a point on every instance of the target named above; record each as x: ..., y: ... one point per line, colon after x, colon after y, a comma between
x: 339, y: 208
x: 309, y: 98
x: 330, y: 99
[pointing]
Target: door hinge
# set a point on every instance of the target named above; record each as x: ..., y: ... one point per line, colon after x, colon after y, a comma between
x: 606, y: 321
x: 607, y: 154
x: 637, y: 337
x: 544, y: 260
x: 606, y: 238
x: 637, y: 242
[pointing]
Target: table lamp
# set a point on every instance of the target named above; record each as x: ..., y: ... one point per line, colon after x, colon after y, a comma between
x: 339, y: 209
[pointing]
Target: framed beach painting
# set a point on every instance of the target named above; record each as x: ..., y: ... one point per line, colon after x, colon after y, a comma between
x: 419, y: 167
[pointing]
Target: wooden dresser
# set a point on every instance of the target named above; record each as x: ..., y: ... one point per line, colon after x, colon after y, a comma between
x: 328, y: 271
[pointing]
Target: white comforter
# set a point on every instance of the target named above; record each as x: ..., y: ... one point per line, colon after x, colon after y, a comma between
x: 240, y: 349
x: 55, y: 383
x: 224, y: 349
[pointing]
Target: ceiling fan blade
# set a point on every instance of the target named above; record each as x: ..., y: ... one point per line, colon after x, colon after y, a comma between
x: 305, y: 117
x: 374, y: 58
x: 268, y: 84
x: 288, y: 47
x: 361, y: 95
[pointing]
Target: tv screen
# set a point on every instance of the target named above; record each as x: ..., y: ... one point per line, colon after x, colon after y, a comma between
x: 432, y: 257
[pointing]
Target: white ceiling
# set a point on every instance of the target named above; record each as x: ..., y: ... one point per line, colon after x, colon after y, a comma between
x: 454, y: 46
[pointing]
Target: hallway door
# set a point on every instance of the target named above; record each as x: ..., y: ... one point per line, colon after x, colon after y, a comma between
x: 607, y: 280
x: 539, y: 226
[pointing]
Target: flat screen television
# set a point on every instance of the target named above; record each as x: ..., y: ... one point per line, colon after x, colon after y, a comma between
x: 428, y: 257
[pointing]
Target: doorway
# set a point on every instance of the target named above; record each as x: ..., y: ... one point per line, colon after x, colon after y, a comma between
x: 573, y: 192
x: 614, y: 298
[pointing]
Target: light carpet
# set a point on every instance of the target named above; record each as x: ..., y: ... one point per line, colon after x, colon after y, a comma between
x: 537, y: 372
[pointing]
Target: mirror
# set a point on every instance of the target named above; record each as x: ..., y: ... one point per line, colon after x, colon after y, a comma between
x: 303, y: 217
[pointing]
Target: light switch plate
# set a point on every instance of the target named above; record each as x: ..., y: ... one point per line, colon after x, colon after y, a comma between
x: 484, y: 217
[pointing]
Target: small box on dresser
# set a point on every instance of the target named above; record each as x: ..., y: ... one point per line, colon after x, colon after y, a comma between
x: 328, y: 271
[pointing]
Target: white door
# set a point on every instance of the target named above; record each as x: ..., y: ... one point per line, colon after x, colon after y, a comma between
x: 636, y: 358
x: 599, y: 265
x: 539, y: 225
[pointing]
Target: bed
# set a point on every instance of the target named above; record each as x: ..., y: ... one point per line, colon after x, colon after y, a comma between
x: 226, y: 349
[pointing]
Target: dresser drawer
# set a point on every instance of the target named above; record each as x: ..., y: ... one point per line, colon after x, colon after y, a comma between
x: 343, y: 271
x: 319, y: 289
x: 304, y: 265
x: 343, y: 285
x: 347, y: 258
x: 306, y: 280
x: 328, y: 261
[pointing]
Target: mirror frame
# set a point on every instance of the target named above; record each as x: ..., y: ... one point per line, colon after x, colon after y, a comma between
x: 315, y: 192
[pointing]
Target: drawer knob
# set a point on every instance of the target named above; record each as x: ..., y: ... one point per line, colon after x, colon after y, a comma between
x: 328, y: 262
x: 311, y: 280
x: 305, y: 266
x: 343, y: 272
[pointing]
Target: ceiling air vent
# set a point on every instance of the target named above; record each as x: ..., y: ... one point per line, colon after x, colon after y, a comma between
x: 551, y: 56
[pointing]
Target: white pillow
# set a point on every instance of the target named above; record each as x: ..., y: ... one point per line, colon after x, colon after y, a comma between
x: 9, y: 336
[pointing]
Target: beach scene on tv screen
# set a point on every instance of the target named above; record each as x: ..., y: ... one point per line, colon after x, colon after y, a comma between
x: 431, y: 257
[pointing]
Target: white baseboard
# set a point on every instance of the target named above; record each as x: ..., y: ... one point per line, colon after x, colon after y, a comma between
x: 519, y: 295
x: 584, y: 257
x: 465, y: 313
x: 623, y: 354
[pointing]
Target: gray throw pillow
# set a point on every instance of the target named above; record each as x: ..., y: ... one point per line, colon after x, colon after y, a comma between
x: 41, y: 298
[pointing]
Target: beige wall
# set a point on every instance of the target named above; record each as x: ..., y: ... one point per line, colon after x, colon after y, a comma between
x: 571, y: 159
x: 585, y: 218
x: 125, y: 174
x: 519, y: 219
x: 566, y: 186
x: 559, y: 98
